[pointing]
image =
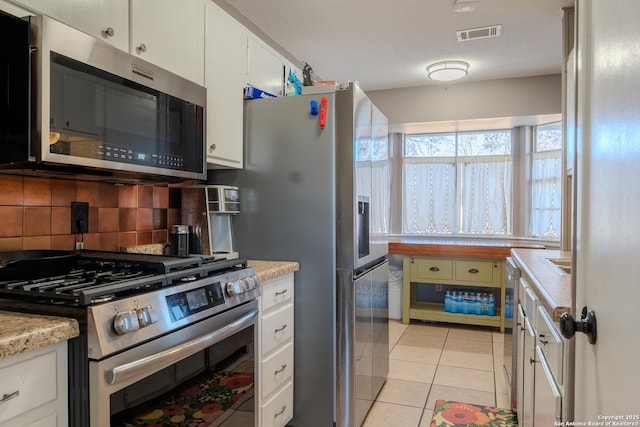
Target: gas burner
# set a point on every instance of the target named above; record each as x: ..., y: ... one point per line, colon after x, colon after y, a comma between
x: 188, y: 278
x: 103, y: 298
x: 118, y: 275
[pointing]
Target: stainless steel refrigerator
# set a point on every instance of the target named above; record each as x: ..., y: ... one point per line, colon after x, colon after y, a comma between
x: 307, y: 195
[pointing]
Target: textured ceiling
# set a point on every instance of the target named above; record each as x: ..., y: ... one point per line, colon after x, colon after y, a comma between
x: 385, y: 44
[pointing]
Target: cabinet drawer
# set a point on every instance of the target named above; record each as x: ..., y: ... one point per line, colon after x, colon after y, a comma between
x: 277, y: 327
x: 277, y: 291
x: 474, y: 271
x: 276, y: 370
x: 547, y: 409
x: 530, y: 303
x: 34, y: 381
x: 434, y: 269
x: 279, y: 410
x: 551, y: 343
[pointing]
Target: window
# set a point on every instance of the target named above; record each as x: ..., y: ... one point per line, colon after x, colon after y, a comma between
x: 457, y: 183
x: 546, y: 178
x: 373, y: 169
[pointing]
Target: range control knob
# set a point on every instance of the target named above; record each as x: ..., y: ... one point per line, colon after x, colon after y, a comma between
x: 146, y: 316
x: 234, y: 288
x: 126, y: 322
x: 251, y: 284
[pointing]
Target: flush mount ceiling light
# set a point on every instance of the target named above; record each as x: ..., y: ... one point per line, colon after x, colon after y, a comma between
x: 466, y: 5
x: 447, y: 71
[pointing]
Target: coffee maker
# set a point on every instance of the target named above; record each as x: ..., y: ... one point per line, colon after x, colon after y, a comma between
x: 207, y: 211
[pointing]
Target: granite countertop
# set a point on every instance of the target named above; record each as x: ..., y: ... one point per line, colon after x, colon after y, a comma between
x: 267, y: 270
x: 552, y: 289
x: 456, y: 248
x: 21, y: 332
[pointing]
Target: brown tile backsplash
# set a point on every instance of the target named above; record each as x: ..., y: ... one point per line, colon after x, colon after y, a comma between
x: 63, y: 192
x: 108, y: 220
x: 12, y: 190
x: 37, y: 191
x: 60, y: 220
x: 35, y: 213
x: 11, y: 224
x: 128, y: 196
x: 145, y: 196
x: 37, y: 221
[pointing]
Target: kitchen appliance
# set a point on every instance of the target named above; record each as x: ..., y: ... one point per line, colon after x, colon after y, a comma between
x: 512, y: 326
x: 308, y: 196
x: 100, y: 110
x: 148, y: 323
x: 14, y: 81
x: 179, y: 240
x: 207, y: 210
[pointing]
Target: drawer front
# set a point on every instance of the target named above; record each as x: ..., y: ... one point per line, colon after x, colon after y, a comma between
x: 277, y: 327
x: 277, y: 291
x: 279, y: 410
x: 434, y: 269
x: 32, y: 380
x: 530, y: 305
x: 276, y: 370
x: 48, y: 421
x: 474, y: 271
x: 551, y: 343
x: 547, y: 396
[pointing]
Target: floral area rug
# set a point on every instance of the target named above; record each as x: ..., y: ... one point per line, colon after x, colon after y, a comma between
x: 199, y: 403
x: 456, y: 414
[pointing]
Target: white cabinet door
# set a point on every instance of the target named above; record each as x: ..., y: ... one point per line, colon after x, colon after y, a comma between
x: 265, y: 70
x: 170, y: 34
x: 224, y: 78
x: 103, y: 19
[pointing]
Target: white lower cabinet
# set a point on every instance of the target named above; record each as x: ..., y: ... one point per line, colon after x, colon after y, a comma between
x: 279, y: 410
x: 542, y: 364
x: 275, y: 350
x: 33, y: 388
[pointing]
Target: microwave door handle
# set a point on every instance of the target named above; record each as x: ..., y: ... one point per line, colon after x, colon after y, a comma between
x: 168, y: 357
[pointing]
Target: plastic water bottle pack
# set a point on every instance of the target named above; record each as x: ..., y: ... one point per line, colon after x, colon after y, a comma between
x: 470, y: 303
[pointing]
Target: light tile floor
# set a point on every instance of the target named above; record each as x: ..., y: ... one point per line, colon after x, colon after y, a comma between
x: 432, y: 361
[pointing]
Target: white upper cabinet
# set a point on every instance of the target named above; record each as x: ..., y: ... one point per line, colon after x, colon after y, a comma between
x: 224, y: 79
x: 104, y: 19
x: 265, y: 69
x: 169, y: 34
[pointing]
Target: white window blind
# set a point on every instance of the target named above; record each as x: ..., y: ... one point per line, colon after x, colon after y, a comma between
x: 546, y: 178
x: 457, y: 183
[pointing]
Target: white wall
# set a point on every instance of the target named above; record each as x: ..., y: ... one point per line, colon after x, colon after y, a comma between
x: 532, y: 98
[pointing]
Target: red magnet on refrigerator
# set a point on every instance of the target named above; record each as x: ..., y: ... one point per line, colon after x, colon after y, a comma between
x: 323, y: 112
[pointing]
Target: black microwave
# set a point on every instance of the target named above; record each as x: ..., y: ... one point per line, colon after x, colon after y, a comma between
x: 94, y: 108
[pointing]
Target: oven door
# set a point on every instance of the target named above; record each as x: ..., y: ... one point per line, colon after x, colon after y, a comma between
x: 164, y: 374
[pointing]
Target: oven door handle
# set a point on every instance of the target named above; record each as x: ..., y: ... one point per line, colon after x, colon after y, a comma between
x: 168, y: 357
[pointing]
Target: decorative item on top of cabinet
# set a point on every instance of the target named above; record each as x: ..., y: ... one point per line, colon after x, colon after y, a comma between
x: 224, y: 79
x: 103, y: 19
x: 275, y: 350
x: 169, y: 34
x: 33, y: 390
x: 456, y: 273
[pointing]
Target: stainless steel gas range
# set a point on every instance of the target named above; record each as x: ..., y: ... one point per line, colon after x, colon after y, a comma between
x: 148, y: 324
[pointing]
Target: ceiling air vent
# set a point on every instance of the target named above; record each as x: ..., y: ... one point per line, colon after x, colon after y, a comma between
x: 479, y: 33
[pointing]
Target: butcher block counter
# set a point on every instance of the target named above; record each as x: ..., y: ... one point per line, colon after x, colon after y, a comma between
x: 455, y: 265
x: 552, y: 288
x: 20, y: 332
x: 456, y: 248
